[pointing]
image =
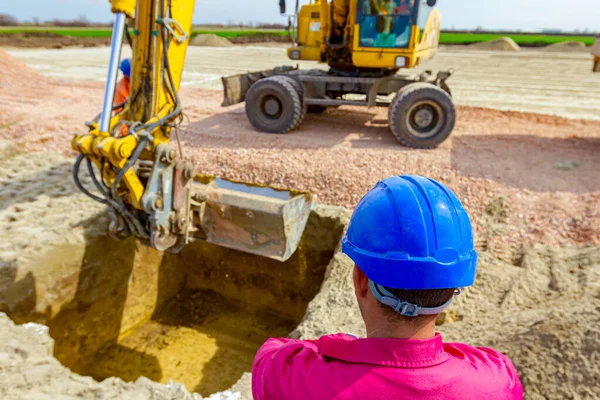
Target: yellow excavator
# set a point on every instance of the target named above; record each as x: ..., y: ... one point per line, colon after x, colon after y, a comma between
x: 365, y: 44
x: 152, y: 192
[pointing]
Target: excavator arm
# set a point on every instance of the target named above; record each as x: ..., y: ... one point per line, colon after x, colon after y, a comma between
x: 152, y: 192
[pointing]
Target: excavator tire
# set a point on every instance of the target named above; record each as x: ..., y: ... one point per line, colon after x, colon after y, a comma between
x: 300, y: 89
x: 421, y: 115
x: 273, y: 105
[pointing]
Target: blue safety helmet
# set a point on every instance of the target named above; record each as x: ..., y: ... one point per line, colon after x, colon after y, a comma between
x: 412, y: 233
x: 125, y: 67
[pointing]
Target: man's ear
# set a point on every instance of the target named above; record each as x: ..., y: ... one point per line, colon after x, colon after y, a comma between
x: 361, y: 283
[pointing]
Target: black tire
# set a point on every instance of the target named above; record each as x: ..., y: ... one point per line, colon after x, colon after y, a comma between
x: 421, y: 115
x: 273, y: 105
x: 300, y: 89
x: 316, y: 109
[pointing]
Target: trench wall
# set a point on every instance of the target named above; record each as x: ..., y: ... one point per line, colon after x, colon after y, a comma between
x: 94, y: 290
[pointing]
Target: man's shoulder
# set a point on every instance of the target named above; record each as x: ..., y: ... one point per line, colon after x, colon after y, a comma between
x: 485, y: 362
x: 477, y: 354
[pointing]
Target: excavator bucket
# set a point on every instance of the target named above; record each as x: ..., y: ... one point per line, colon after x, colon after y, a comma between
x: 235, y: 87
x: 259, y: 220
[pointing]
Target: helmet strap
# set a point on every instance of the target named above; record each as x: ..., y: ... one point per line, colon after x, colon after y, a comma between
x: 405, y: 308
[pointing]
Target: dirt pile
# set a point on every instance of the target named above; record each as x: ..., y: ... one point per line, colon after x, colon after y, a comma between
x: 539, y: 304
x: 566, y: 46
x: 16, y: 75
x: 543, y: 312
x: 210, y: 40
x: 265, y: 39
x: 500, y: 44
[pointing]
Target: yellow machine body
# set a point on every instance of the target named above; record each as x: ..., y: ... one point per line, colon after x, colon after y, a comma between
x: 372, y: 34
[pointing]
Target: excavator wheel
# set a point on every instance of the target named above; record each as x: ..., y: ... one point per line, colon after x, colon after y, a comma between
x: 300, y: 89
x: 274, y: 105
x: 421, y: 115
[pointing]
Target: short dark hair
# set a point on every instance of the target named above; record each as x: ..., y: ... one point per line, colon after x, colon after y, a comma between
x: 423, y: 298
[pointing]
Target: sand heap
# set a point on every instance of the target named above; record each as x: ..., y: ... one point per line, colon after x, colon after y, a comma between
x: 541, y: 308
x: 500, y: 44
x: 210, y: 40
x: 16, y: 74
x: 568, y: 45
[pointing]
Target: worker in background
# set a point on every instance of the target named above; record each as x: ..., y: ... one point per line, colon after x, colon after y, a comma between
x: 122, y: 89
x: 596, y: 54
x: 405, y: 7
x: 412, y: 244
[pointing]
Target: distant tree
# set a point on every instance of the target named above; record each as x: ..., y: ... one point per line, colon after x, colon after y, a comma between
x: 35, y: 20
x: 8, y: 20
x: 479, y: 28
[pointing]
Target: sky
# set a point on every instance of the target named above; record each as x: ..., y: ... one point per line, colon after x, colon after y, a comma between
x: 457, y: 14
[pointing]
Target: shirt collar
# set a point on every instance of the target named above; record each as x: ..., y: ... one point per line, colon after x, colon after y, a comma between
x: 404, y: 353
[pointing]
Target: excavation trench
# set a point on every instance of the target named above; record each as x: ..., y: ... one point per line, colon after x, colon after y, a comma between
x: 197, y: 317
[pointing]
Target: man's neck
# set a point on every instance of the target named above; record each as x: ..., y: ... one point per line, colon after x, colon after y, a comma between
x: 402, y: 330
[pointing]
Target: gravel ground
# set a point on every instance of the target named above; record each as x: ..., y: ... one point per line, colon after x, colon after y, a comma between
x: 531, y: 80
x: 545, y: 167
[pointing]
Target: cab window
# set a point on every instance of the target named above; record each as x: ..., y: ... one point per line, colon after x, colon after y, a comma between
x: 385, y: 23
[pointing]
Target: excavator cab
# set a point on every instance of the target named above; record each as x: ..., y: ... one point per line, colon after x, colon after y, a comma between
x: 375, y: 34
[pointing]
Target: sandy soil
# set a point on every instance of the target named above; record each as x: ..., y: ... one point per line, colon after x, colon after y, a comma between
x: 542, y: 310
x: 528, y: 180
x: 545, y: 166
x: 530, y: 80
x: 28, y: 371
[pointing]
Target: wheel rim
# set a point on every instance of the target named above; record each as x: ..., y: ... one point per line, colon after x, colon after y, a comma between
x: 425, y: 118
x: 272, y: 107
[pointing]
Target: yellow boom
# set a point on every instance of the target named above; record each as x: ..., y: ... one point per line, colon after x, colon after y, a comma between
x: 152, y: 192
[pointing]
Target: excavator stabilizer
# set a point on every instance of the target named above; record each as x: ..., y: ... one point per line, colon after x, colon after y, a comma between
x: 235, y: 87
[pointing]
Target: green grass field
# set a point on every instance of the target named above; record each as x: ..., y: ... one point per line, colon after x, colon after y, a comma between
x: 446, y: 37
x: 522, y: 40
x: 106, y: 32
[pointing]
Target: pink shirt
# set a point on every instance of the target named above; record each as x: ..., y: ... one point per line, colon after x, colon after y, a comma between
x: 343, y: 367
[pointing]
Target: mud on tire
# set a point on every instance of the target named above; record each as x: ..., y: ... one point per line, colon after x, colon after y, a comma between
x: 421, y: 115
x: 274, y: 105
